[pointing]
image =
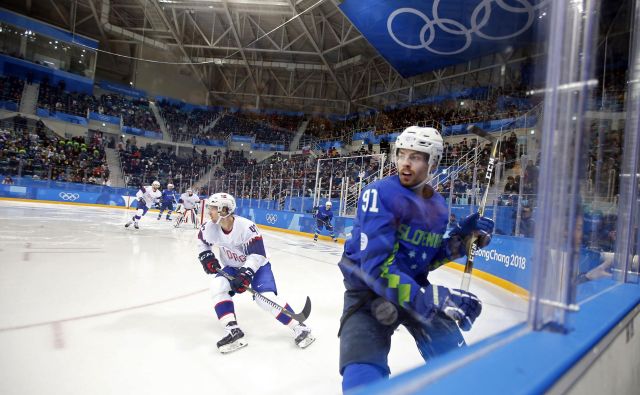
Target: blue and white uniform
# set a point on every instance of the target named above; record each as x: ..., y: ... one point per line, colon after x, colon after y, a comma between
x: 168, y: 199
x: 397, y: 239
x: 324, y: 216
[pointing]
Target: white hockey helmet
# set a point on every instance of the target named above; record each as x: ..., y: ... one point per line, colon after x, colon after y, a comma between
x: 328, y: 203
x: 155, y: 184
x: 421, y: 139
x: 170, y: 186
x: 221, y: 201
x: 190, y: 191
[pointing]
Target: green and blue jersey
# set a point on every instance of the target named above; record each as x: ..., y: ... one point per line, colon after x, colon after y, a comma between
x: 397, y: 238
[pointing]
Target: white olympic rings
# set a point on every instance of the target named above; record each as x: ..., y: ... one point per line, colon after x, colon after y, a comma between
x: 479, y: 19
x: 69, y: 196
x: 272, y: 218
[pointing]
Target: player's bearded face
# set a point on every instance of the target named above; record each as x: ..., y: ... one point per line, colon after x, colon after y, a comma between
x: 413, y: 167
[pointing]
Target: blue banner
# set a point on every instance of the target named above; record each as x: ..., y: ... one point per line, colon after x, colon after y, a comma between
x: 495, y: 125
x: 66, y: 192
x: 294, y: 221
x: 325, y: 145
x: 210, y: 143
x: 104, y: 118
x: 242, y: 138
x: 61, y: 116
x: 122, y: 89
x: 142, y: 132
x: 506, y: 257
x: 9, y: 105
x: 416, y: 36
x: 368, y: 135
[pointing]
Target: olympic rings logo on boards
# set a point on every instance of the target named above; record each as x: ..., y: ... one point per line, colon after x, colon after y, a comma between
x: 479, y: 19
x: 69, y: 196
x: 272, y: 218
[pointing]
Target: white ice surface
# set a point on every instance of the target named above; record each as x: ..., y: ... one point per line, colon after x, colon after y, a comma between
x: 89, y: 307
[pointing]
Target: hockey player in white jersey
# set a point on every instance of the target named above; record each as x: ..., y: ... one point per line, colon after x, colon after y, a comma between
x: 146, y: 196
x: 243, y: 256
x: 189, y: 202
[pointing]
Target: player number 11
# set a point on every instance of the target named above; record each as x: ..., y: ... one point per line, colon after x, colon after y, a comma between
x: 370, y: 196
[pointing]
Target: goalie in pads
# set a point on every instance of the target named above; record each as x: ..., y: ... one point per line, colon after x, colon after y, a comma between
x: 188, y: 208
x: 243, y: 256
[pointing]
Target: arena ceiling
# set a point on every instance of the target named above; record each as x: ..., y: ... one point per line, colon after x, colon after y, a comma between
x: 300, y: 55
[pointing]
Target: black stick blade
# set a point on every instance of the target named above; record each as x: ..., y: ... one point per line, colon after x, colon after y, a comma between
x: 304, y: 314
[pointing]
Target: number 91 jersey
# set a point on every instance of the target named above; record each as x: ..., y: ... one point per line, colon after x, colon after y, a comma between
x: 396, y: 230
x: 243, y: 246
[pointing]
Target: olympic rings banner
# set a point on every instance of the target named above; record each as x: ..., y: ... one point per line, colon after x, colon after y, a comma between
x: 416, y: 36
x: 71, y: 195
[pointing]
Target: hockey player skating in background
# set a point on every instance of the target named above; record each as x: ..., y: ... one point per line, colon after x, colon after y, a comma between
x: 189, y: 202
x: 243, y: 256
x: 323, y: 216
x: 167, y: 200
x: 147, y: 196
x: 397, y: 239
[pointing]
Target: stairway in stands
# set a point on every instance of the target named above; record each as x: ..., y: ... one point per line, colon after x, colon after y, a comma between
x: 296, y: 139
x: 29, y: 100
x: 115, y: 171
x: 160, y: 119
x: 212, y: 124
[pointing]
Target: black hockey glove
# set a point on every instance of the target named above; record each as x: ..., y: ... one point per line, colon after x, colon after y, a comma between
x: 243, y: 279
x: 209, y: 262
x: 141, y: 202
x: 461, y: 306
x: 482, y: 227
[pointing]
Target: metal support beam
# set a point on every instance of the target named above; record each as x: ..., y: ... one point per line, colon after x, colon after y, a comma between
x: 195, y: 24
x: 319, y: 52
x: 60, y: 13
x: 238, y: 42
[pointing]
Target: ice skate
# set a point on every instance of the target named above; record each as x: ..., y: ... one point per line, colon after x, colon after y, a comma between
x: 135, y: 225
x: 128, y: 224
x: 234, y: 339
x: 303, y: 336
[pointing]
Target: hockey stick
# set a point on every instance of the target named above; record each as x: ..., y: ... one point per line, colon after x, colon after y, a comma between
x: 468, y: 267
x: 300, y: 317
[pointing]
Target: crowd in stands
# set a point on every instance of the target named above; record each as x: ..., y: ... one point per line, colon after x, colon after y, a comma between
x: 43, y: 155
x: 11, y: 88
x: 56, y: 99
x: 283, y: 176
x: 238, y: 124
x: 463, y: 183
x: 134, y: 112
x: 183, y: 124
x: 446, y: 112
x: 143, y: 165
